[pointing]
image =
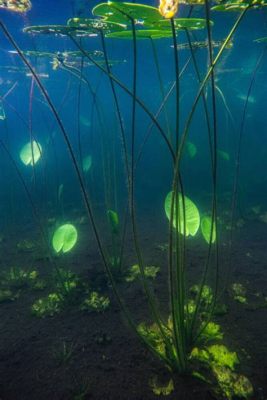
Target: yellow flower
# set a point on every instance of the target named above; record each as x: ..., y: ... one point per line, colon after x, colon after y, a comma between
x: 168, y: 8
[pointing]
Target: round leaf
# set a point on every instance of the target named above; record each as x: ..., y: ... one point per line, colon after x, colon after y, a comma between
x: 64, y: 238
x: 87, y: 163
x: 59, y: 30
x: 141, y: 34
x: 182, y: 23
x: 95, y: 25
x: 192, y: 219
x: 124, y: 13
x: 191, y: 149
x: 206, y: 229
x: 30, y: 153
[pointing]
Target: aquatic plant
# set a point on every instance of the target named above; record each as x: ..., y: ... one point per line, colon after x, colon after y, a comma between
x: 47, y: 306
x: 172, y: 338
x: 134, y: 272
x: 31, y: 153
x: 64, y: 238
x: 95, y: 302
x: 64, y: 352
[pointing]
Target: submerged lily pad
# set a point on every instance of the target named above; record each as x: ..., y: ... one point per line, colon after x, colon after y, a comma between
x: 191, y: 149
x: 87, y: 163
x: 192, y: 219
x: 30, y: 153
x: 141, y: 34
x: 64, y: 238
x: 124, y: 13
x: 113, y: 220
x: 206, y: 223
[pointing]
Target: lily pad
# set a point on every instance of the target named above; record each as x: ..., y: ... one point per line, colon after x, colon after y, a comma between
x: 182, y: 23
x: 16, y: 5
x: 64, y: 238
x: 235, y: 5
x: 95, y: 25
x: 124, y: 13
x: 261, y: 40
x: 87, y: 163
x: 58, y: 30
x: 141, y: 34
x: 30, y: 153
x: 206, y: 223
x: 191, y: 149
x: 113, y: 220
x: 192, y: 219
x: 224, y: 155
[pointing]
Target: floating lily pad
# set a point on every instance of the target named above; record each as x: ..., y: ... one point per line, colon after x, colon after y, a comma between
x: 235, y: 5
x: 58, y: 30
x: 124, y: 13
x: 30, y: 153
x: 95, y: 25
x: 16, y: 5
x: 261, y: 40
x: 141, y: 34
x: 238, y: 7
x: 206, y: 223
x: 203, y: 45
x: 192, y: 218
x: 64, y: 238
x: 182, y: 23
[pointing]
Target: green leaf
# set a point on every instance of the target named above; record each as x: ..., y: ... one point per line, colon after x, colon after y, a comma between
x: 87, y: 163
x: 182, y: 23
x: 192, y: 218
x: 222, y: 356
x: 224, y: 155
x: 261, y: 40
x: 191, y: 149
x: 95, y: 25
x: 59, y: 30
x: 30, y: 153
x: 123, y: 13
x: 141, y: 34
x: 235, y: 5
x: 206, y: 223
x: 64, y: 238
x: 113, y: 220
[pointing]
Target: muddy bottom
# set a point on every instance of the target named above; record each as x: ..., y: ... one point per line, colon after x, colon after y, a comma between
x: 106, y: 360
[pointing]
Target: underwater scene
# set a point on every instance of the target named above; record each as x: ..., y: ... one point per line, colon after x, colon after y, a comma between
x: 133, y: 211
